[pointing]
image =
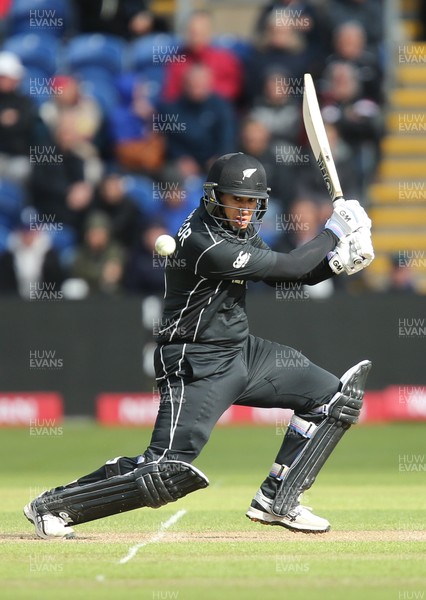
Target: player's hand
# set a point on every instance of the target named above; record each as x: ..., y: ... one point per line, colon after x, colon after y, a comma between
x: 353, y: 253
x: 347, y: 217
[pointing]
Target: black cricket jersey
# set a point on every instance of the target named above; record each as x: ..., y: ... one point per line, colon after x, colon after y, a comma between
x: 205, y: 278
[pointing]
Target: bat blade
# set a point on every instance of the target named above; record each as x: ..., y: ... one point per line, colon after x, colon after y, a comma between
x: 318, y: 140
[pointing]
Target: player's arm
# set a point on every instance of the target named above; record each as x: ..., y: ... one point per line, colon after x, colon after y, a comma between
x: 306, y: 264
x: 226, y: 259
x: 230, y: 260
x: 319, y: 273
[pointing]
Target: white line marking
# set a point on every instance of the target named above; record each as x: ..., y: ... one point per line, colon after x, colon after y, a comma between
x: 155, y: 538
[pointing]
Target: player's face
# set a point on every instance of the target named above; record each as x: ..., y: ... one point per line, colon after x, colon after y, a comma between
x: 239, y: 210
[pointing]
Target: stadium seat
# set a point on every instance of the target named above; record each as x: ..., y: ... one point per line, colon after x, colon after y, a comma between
x: 140, y: 189
x: 241, y: 48
x: 151, y: 50
x: 49, y: 17
x: 37, y: 85
x: 103, y: 90
x: 4, y: 236
x: 95, y: 50
x: 11, y: 203
x: 148, y: 56
x: 63, y: 240
x: 35, y: 51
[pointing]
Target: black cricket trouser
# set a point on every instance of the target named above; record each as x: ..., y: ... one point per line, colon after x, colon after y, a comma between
x: 199, y: 382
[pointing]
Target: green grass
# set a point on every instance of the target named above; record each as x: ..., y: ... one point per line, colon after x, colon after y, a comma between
x: 377, y: 547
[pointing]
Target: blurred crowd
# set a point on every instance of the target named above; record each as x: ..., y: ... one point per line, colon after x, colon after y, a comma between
x: 110, y: 118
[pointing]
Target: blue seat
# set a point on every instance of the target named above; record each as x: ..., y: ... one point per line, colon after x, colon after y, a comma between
x: 103, y: 90
x: 152, y: 51
x: 4, y: 236
x: 140, y: 189
x: 11, y: 203
x: 49, y: 17
x: 149, y: 57
x: 64, y: 242
x: 35, y: 51
x: 64, y: 238
x: 239, y: 47
x: 97, y: 50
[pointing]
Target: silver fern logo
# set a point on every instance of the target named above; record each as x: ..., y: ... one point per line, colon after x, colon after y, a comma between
x: 247, y: 173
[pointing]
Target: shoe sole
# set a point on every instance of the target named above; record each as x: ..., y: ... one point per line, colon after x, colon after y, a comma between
x: 257, y: 517
x: 29, y: 514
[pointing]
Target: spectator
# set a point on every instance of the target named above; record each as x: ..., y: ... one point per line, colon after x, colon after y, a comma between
x: 256, y: 140
x: 281, y: 46
x: 401, y: 279
x: 125, y: 218
x: 138, y: 148
x: 302, y: 14
x: 125, y: 18
x: 198, y: 50
x: 357, y: 119
x: 64, y: 175
x: 350, y: 46
x: 303, y: 222
x: 17, y: 121
x: 277, y: 108
x: 30, y: 264
x: 312, y: 182
x: 88, y: 118
x: 174, y: 198
x: 5, y: 6
x: 199, y: 125
x: 144, y: 270
x: 367, y: 12
x: 99, y: 260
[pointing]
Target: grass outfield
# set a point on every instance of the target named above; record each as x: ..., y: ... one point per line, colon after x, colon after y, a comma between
x: 372, y: 490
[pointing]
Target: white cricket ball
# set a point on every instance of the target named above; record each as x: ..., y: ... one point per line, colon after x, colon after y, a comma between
x: 165, y: 245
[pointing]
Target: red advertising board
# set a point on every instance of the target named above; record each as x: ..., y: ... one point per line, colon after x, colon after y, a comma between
x: 33, y: 409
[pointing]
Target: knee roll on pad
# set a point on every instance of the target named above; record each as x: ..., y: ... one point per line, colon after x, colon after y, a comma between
x: 340, y: 413
x: 154, y: 484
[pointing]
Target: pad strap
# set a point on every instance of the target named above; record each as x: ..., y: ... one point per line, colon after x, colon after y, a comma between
x: 304, y: 428
x: 278, y: 471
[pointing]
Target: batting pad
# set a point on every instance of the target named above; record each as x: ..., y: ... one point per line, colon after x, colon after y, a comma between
x: 342, y: 412
x: 154, y: 484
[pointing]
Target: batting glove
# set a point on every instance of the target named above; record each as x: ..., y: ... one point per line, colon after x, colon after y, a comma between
x: 347, y: 217
x: 353, y: 253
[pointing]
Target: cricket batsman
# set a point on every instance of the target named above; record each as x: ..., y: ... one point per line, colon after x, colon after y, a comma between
x: 206, y: 360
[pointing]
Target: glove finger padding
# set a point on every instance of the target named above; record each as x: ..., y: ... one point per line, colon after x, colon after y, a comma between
x: 362, y: 217
x: 361, y: 244
x: 347, y: 217
x: 348, y: 252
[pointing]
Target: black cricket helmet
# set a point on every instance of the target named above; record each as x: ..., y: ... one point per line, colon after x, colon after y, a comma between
x: 241, y: 175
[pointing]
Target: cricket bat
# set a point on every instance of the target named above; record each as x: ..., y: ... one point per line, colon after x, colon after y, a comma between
x: 318, y: 140
x: 317, y: 136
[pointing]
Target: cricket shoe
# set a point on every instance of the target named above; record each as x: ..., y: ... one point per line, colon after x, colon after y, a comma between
x: 47, y: 525
x: 300, y: 518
